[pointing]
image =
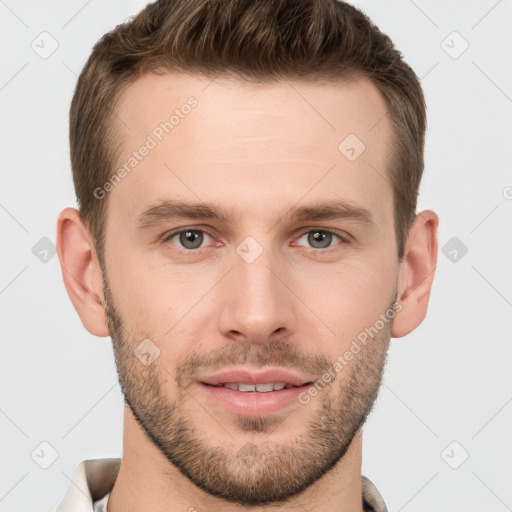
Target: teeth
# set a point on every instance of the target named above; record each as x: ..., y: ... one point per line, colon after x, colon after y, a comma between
x: 261, y: 388
x: 264, y: 388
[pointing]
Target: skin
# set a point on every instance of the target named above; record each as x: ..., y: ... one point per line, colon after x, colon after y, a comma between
x: 257, y: 150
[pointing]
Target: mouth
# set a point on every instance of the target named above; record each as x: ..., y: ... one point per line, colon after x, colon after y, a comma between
x: 247, y: 393
x: 259, y: 388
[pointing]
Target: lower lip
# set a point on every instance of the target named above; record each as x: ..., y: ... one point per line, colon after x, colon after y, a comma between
x: 253, y: 403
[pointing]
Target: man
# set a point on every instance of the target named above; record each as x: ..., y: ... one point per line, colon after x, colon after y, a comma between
x: 247, y: 175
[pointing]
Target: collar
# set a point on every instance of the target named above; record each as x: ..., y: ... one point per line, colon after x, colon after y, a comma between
x: 94, y: 478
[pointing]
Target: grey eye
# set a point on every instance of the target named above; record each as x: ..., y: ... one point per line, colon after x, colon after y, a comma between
x: 190, y: 238
x: 319, y: 238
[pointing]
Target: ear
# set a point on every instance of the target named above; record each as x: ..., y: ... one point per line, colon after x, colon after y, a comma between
x: 416, y: 273
x: 81, y: 271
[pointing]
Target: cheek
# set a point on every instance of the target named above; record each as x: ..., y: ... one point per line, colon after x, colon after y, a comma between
x: 162, y: 303
x: 144, y: 303
x: 350, y: 298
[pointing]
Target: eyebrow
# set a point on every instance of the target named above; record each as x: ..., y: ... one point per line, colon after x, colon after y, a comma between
x: 171, y: 209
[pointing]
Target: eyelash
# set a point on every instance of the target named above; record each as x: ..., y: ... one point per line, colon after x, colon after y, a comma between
x: 344, y: 240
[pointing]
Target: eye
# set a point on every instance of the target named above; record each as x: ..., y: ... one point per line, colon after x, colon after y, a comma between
x: 321, y: 238
x: 190, y: 239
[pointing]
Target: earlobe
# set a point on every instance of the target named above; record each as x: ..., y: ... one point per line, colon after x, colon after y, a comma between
x: 81, y: 271
x: 416, y: 273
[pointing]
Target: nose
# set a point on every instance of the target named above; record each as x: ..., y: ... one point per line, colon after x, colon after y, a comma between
x: 257, y: 302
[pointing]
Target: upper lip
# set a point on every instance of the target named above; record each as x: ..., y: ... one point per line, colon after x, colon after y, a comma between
x: 245, y: 376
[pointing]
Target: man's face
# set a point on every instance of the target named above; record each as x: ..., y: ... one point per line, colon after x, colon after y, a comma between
x: 277, y: 299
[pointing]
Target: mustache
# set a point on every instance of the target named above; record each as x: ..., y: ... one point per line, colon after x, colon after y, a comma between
x: 280, y: 353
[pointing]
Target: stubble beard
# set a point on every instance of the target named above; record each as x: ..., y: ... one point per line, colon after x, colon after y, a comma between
x: 258, y: 471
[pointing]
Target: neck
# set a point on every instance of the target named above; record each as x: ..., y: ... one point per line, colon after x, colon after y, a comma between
x: 148, y: 481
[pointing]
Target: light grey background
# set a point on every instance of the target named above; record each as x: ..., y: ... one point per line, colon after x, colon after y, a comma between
x: 449, y: 381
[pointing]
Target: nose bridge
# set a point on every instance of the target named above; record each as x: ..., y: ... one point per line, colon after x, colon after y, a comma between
x: 257, y: 301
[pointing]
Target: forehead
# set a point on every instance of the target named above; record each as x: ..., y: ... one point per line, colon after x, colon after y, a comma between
x: 218, y: 139
x: 312, y: 107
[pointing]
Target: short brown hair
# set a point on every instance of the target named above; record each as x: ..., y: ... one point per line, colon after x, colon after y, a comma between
x: 259, y: 40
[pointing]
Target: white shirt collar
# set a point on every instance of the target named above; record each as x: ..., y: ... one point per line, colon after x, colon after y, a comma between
x: 94, y: 479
